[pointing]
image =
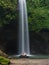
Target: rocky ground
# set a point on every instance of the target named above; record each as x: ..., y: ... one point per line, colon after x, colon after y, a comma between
x: 25, y: 61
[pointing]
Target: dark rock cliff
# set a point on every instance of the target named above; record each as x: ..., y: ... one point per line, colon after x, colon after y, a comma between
x: 39, y: 42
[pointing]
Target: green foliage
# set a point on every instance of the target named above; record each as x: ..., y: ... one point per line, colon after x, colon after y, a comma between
x: 4, y: 61
x: 8, y: 3
x: 38, y: 13
x: 7, y: 11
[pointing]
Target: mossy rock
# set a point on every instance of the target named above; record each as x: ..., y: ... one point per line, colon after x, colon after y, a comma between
x: 4, y: 61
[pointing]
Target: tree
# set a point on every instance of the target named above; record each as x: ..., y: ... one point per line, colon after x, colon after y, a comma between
x: 7, y: 11
x: 38, y: 14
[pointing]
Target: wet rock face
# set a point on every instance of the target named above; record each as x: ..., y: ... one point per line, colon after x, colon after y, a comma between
x: 9, y: 38
x: 39, y: 42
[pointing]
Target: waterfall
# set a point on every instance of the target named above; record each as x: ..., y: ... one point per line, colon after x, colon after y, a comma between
x: 23, y: 28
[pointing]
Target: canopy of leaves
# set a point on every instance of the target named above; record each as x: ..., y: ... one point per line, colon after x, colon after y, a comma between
x: 38, y: 13
x: 7, y: 11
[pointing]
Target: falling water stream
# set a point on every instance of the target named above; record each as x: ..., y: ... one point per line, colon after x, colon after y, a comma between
x: 23, y: 28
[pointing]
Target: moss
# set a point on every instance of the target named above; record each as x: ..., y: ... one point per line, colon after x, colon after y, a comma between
x: 4, y: 60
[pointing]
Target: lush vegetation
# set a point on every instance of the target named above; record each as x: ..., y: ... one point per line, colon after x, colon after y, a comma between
x: 4, y: 61
x: 38, y: 13
x: 7, y: 11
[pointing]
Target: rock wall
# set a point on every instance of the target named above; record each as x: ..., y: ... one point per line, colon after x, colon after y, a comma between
x: 39, y: 41
x: 9, y: 38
